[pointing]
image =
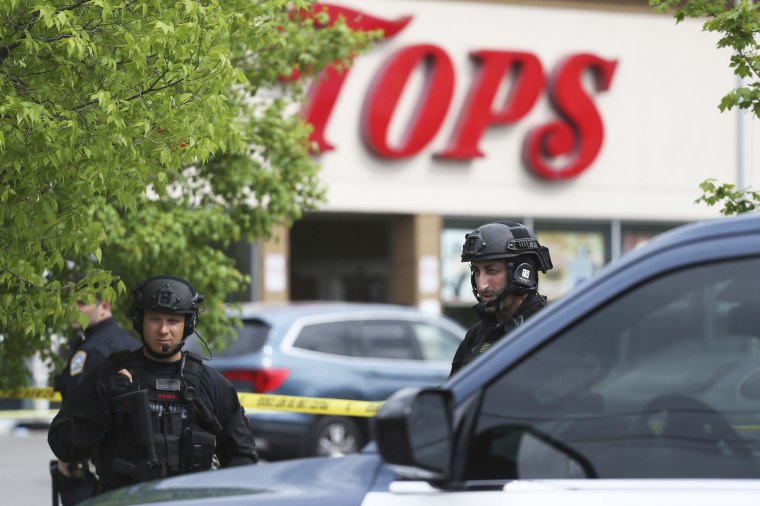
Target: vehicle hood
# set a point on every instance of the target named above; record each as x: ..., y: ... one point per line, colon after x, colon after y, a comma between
x: 290, y: 482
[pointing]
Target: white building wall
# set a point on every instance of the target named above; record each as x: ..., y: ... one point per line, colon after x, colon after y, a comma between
x: 664, y: 133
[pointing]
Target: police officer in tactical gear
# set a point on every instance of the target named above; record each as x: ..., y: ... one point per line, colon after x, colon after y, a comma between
x: 505, y: 258
x: 156, y: 411
x: 102, y: 336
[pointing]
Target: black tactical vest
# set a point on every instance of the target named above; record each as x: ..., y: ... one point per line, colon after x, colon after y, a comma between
x: 164, y: 428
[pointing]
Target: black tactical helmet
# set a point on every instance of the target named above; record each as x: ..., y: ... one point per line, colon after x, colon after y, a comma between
x: 514, y: 243
x: 166, y: 294
x: 505, y: 239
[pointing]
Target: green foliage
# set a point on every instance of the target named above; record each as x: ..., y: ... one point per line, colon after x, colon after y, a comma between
x: 734, y: 201
x: 738, y: 22
x: 140, y: 137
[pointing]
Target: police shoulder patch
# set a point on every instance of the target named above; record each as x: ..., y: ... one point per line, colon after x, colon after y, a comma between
x: 77, y: 362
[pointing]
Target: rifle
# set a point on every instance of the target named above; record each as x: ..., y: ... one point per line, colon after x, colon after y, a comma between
x: 206, y: 416
x: 150, y: 467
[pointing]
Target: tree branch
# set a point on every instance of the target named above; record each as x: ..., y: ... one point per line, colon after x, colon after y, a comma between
x: 66, y: 286
x: 73, y: 6
x: 5, y: 51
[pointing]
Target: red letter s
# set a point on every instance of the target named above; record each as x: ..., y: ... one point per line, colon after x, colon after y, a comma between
x: 580, y: 135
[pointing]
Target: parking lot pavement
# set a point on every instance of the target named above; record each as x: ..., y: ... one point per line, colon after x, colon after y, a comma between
x: 24, y: 464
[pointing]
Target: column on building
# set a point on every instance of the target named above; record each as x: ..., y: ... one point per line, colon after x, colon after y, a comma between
x: 273, y: 261
x: 416, y: 261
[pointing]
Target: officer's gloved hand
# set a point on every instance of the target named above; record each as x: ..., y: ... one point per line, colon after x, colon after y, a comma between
x: 120, y: 384
x: 93, y: 398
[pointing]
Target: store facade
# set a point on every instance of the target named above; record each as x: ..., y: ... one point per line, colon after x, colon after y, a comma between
x: 591, y: 122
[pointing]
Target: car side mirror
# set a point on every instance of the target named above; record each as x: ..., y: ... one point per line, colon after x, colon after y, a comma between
x: 414, y: 434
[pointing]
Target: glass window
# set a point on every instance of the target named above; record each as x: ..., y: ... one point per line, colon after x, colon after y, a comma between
x: 251, y: 337
x: 455, y: 274
x: 576, y: 254
x: 661, y: 382
x: 332, y: 337
x: 635, y: 235
x: 388, y: 339
x: 436, y: 343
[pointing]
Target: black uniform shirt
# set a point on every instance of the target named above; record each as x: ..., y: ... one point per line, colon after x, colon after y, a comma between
x: 85, y: 426
x: 488, y: 330
x: 101, y: 340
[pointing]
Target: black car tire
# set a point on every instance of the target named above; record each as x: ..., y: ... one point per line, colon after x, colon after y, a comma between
x: 334, y: 436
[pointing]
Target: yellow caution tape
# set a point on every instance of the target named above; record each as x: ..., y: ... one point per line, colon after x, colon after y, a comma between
x: 314, y: 405
x: 29, y: 414
x: 45, y: 393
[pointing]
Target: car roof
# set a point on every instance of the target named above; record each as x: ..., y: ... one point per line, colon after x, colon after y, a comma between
x: 706, y: 230
x: 280, y: 316
x: 276, y: 310
x: 681, y: 246
x: 692, y: 243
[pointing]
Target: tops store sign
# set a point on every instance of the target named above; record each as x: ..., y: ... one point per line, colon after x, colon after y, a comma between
x: 559, y: 149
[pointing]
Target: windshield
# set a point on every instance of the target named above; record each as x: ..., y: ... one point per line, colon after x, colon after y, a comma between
x: 250, y: 338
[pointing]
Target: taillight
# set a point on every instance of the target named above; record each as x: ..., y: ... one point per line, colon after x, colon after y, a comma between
x: 260, y: 380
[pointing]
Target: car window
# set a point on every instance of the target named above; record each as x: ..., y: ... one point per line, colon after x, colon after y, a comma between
x: 662, y: 382
x: 388, y: 339
x: 250, y: 338
x: 332, y: 337
x: 436, y: 343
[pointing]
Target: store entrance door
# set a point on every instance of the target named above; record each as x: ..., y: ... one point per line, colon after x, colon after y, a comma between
x: 341, y: 257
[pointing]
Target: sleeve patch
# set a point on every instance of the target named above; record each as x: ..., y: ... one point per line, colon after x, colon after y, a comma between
x: 77, y: 362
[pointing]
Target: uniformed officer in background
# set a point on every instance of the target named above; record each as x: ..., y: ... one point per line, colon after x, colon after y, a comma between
x: 156, y: 411
x: 102, y: 336
x: 505, y: 258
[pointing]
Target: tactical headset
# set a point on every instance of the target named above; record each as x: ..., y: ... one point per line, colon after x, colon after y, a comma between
x: 166, y: 294
x: 521, y: 279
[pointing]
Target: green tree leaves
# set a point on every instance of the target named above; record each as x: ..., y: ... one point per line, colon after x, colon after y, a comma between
x: 738, y: 22
x: 141, y: 137
x: 733, y: 200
